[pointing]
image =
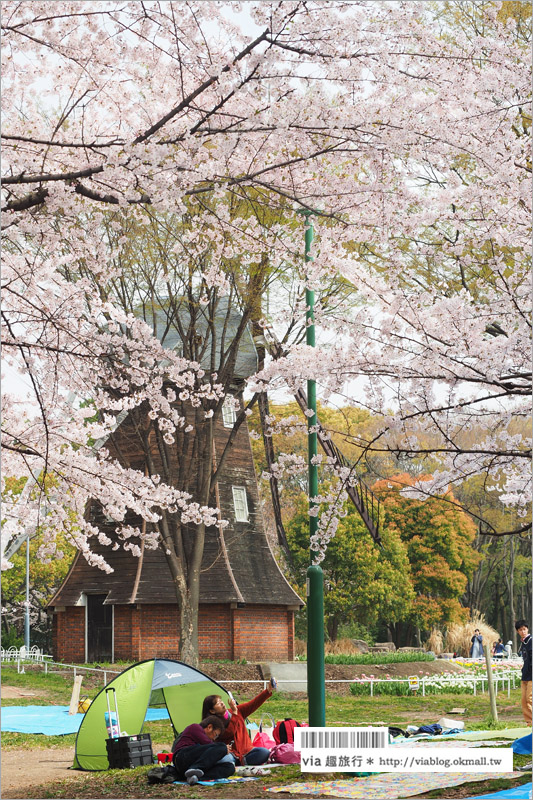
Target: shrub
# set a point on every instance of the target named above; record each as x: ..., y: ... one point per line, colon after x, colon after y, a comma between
x: 432, y: 686
x: 435, y: 642
x: 458, y: 636
x: 378, y: 658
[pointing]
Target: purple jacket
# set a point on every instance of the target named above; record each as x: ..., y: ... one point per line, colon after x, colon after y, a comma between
x: 193, y: 734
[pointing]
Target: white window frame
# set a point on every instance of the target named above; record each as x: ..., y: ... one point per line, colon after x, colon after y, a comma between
x: 240, y: 503
x: 229, y: 415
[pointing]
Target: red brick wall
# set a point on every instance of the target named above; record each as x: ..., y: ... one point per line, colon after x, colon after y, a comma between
x: 68, y: 634
x: 158, y: 631
x: 125, y: 644
x: 257, y: 633
x: 215, y: 632
x: 262, y: 633
x: 290, y: 635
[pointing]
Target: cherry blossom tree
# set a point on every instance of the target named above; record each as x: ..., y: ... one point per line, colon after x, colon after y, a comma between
x: 408, y: 139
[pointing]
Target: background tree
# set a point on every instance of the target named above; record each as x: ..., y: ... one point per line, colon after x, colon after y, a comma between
x: 438, y: 537
x: 363, y: 583
x: 45, y: 578
x: 46, y: 573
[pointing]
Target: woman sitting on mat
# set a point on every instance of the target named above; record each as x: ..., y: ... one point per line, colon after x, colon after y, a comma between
x: 236, y: 730
x: 197, y: 754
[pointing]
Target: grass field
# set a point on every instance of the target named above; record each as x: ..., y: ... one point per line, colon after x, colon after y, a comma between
x: 340, y: 710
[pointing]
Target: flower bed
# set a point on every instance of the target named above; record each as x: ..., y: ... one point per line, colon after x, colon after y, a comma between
x: 447, y: 683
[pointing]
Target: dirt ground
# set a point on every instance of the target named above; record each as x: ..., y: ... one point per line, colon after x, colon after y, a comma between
x: 338, y: 672
x: 32, y: 767
x: 24, y: 768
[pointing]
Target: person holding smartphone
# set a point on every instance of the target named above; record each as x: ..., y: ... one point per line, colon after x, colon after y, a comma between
x: 236, y: 731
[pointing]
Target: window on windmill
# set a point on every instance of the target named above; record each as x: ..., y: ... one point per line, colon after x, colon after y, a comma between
x: 229, y: 415
x: 240, y: 503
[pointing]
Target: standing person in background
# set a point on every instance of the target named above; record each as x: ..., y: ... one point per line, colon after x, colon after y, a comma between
x: 498, y: 650
x: 522, y: 629
x: 476, y: 646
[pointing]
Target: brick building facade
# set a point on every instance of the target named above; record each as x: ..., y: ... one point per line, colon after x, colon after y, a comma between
x: 255, y: 633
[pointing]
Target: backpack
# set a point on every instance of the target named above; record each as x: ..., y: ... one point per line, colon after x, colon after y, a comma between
x: 283, y: 733
x: 167, y: 774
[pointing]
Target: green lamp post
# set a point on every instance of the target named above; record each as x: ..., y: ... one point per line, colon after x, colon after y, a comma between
x: 316, y: 687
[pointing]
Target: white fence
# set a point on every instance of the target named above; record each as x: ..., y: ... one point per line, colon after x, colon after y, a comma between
x: 22, y: 654
x: 502, y: 680
x: 20, y: 657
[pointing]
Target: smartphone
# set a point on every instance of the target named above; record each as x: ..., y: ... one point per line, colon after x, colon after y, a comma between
x: 273, y: 682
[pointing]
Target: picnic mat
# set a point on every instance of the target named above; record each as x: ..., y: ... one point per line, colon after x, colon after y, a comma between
x: 445, y: 742
x: 505, y: 733
x: 231, y: 779
x: 468, y: 736
x: 523, y: 746
x: 389, y: 785
x: 518, y: 793
x: 52, y: 720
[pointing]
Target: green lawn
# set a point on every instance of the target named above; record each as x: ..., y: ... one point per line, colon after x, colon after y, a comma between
x: 340, y: 710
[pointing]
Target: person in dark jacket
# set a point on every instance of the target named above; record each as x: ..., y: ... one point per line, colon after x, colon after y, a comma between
x: 498, y: 650
x: 522, y: 628
x: 476, y: 645
x: 197, y: 754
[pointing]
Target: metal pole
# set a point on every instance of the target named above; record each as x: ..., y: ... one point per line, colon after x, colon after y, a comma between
x: 27, y: 612
x: 316, y: 686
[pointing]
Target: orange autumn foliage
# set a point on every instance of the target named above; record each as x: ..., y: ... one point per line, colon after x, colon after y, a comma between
x: 439, y: 536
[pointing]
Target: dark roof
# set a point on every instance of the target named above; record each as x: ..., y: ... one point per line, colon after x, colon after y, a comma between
x: 237, y: 567
x: 173, y: 321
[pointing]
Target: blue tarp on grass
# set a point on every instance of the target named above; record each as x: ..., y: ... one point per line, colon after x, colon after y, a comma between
x: 523, y: 746
x: 518, y: 793
x: 53, y: 720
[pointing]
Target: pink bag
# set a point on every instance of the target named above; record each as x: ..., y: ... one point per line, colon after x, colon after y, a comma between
x: 284, y: 754
x: 262, y: 739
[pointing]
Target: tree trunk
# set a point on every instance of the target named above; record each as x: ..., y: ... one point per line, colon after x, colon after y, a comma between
x: 189, y: 633
x: 509, y: 582
x: 333, y: 628
x: 187, y: 588
x: 257, y: 333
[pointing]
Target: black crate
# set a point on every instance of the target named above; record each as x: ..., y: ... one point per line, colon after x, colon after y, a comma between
x: 127, y: 752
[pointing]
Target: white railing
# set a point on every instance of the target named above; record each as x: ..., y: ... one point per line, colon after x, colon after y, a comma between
x: 22, y: 654
x: 500, y: 682
x: 57, y: 666
x: 18, y: 656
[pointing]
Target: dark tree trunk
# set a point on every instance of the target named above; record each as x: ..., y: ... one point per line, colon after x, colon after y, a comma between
x: 333, y: 628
